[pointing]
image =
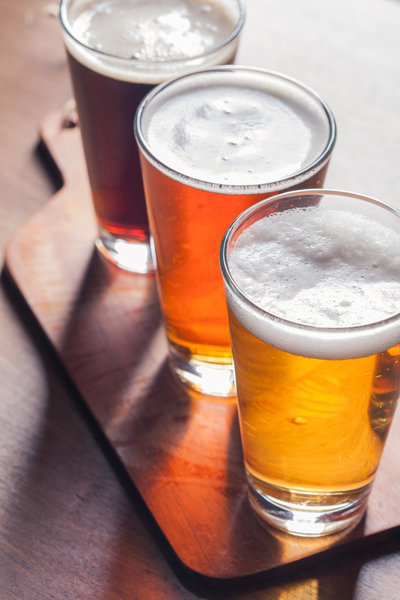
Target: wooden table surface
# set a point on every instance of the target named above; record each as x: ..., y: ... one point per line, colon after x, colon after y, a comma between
x: 69, y: 527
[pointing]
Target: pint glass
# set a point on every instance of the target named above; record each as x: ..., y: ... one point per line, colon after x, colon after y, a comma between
x: 117, y: 51
x: 213, y: 143
x: 312, y: 282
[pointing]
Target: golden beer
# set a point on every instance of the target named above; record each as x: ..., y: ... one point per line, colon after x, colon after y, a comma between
x: 212, y: 144
x: 315, y: 401
x: 321, y: 424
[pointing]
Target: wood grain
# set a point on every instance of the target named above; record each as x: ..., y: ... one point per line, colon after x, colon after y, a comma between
x: 182, y: 451
x: 68, y: 529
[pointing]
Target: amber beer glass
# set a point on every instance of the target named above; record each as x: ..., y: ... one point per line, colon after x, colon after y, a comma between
x: 213, y: 143
x: 118, y: 50
x: 312, y: 282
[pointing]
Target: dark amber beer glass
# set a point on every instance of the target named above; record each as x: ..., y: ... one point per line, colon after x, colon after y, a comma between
x: 213, y: 143
x: 117, y: 51
x: 312, y: 283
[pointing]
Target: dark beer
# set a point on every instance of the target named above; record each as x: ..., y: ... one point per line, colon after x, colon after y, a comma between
x: 118, y: 50
x: 106, y: 107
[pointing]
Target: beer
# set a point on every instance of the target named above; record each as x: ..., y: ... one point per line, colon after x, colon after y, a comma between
x: 315, y: 336
x: 213, y: 144
x: 117, y: 51
x: 116, y: 184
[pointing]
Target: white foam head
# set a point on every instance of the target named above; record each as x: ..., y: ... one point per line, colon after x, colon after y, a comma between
x: 246, y: 130
x: 149, y: 41
x: 320, y: 281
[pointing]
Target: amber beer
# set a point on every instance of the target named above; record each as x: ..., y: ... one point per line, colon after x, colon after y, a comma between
x: 212, y: 144
x: 313, y: 296
x: 117, y: 51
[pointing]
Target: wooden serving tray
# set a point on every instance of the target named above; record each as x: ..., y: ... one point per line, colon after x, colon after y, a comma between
x: 182, y: 451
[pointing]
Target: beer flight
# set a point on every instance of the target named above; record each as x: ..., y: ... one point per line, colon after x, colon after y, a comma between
x: 211, y: 175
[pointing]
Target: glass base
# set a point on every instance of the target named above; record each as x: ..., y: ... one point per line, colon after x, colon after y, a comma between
x: 309, y: 515
x: 212, y: 378
x: 128, y: 254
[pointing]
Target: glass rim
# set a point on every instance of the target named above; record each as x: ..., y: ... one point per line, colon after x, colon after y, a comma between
x: 291, y: 324
x: 237, y: 189
x: 154, y: 64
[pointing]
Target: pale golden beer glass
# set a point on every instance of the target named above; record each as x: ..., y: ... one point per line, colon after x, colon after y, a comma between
x: 213, y: 143
x: 315, y: 329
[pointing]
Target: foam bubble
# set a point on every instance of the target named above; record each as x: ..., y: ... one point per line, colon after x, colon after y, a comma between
x: 319, y: 267
x: 240, y: 131
x: 146, y: 30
